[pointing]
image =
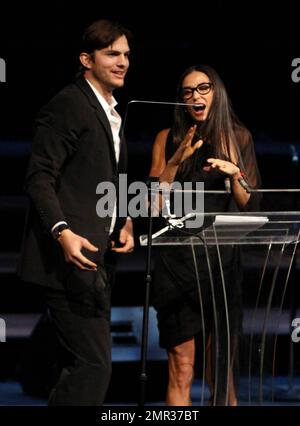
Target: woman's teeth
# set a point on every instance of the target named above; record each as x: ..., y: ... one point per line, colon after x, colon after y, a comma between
x: 200, y: 107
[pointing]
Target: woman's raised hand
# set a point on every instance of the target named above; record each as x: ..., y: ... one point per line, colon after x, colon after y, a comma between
x: 186, y: 149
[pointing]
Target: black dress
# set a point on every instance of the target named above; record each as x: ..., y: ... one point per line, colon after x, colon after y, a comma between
x: 175, y: 292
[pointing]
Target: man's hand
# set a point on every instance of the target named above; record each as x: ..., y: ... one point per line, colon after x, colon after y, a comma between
x: 72, y: 244
x: 126, y: 238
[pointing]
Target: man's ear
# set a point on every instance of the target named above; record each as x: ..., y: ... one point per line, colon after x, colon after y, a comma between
x: 85, y: 59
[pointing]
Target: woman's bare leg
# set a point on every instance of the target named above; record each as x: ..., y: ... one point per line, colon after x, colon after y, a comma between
x: 181, y: 360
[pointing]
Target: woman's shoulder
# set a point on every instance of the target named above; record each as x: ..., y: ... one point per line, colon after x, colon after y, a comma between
x: 162, y: 135
x: 161, y: 139
x: 159, y: 153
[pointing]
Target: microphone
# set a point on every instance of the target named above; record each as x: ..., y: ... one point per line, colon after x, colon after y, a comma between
x: 165, y: 191
x: 167, y: 205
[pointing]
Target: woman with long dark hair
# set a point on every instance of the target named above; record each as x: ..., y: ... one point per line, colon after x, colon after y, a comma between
x: 207, y: 143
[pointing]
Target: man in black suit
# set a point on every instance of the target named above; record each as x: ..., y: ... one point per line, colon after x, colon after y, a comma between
x: 66, y: 245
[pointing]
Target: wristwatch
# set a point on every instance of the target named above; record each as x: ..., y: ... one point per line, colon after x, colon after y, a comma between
x: 56, y: 233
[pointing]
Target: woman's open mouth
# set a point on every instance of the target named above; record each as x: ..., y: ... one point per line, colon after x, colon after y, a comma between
x: 199, y: 107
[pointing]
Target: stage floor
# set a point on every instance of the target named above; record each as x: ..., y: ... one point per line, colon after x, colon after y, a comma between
x: 11, y: 394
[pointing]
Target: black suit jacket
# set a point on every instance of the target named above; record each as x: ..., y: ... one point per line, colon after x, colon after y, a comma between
x: 72, y: 153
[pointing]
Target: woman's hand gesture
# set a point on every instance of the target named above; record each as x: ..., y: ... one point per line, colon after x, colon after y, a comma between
x: 224, y: 166
x: 186, y: 149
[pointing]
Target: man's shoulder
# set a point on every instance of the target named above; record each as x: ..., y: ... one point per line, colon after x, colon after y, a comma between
x: 69, y: 100
x: 67, y: 93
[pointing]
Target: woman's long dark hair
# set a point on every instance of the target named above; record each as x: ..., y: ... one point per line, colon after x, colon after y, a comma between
x: 218, y: 129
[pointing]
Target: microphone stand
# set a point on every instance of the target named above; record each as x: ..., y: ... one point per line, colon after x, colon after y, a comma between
x: 148, y: 280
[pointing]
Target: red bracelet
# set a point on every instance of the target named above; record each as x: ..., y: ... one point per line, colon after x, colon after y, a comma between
x: 240, y: 174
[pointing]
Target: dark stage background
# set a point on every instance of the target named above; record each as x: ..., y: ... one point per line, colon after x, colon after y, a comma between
x: 250, y: 43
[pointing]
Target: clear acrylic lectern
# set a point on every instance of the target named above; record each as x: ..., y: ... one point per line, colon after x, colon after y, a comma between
x: 268, y: 241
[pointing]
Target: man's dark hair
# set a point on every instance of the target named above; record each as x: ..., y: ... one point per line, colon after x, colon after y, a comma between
x: 101, y: 34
